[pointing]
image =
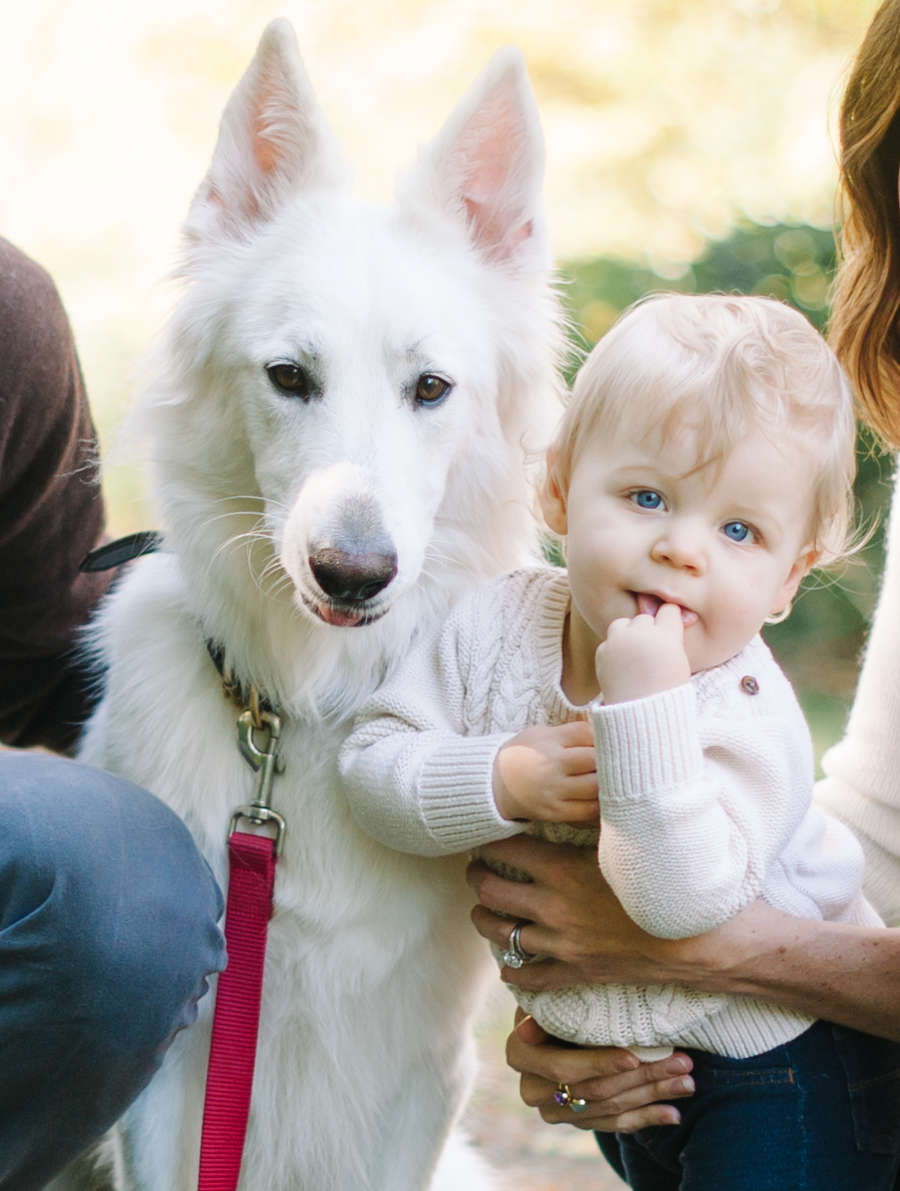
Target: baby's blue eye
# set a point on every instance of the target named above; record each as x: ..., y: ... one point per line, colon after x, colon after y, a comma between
x: 737, y: 531
x: 647, y: 499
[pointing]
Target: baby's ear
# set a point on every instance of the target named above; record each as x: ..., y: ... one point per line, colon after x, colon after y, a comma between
x: 810, y: 558
x: 553, y: 497
x: 798, y: 572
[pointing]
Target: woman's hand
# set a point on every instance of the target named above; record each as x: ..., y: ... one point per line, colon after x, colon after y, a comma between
x: 622, y: 1094
x: 572, y: 916
x: 846, y: 974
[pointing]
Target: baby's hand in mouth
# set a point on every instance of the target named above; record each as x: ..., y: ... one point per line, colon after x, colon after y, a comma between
x: 645, y: 655
x: 649, y: 604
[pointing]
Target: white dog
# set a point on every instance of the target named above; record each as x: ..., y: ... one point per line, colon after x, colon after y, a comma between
x: 338, y: 431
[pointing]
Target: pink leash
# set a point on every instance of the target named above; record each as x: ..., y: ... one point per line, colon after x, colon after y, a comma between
x: 251, y: 880
x: 232, y: 1053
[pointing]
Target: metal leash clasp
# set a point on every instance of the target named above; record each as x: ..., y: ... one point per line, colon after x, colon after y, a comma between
x: 267, y: 763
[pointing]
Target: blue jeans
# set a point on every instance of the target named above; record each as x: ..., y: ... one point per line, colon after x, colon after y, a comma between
x: 107, y: 933
x: 821, y: 1113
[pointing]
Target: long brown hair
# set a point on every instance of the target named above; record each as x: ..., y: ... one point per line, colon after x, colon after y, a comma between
x: 865, y: 326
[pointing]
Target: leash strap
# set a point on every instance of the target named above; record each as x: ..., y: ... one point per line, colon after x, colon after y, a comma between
x: 251, y: 881
x: 232, y: 1054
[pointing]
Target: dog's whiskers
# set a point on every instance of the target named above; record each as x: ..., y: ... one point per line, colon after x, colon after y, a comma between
x: 251, y: 497
x: 435, y: 556
x: 248, y: 536
x: 246, y: 540
x: 226, y: 516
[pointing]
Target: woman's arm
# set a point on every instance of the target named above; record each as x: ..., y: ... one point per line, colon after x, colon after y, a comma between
x: 52, y: 513
x: 862, y: 786
x: 846, y: 974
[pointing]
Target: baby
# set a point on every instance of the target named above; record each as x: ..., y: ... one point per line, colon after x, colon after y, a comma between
x: 703, y: 466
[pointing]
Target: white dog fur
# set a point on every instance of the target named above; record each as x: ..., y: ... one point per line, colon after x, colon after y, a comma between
x: 373, y: 970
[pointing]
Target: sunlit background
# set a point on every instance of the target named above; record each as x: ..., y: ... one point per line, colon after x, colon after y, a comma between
x: 666, y: 121
x: 690, y: 145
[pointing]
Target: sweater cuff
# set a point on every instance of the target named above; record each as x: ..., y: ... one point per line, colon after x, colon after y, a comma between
x: 456, y: 793
x: 647, y: 744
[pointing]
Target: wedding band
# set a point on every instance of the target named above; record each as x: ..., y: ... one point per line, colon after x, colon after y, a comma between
x: 565, y: 1099
x: 515, y: 955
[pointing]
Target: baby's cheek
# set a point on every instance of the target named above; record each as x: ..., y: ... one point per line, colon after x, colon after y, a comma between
x: 715, y: 639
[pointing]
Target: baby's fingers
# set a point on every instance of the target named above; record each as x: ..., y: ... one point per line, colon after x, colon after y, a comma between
x: 618, y: 628
x: 579, y: 760
x: 580, y: 788
x: 575, y: 735
x: 668, y: 618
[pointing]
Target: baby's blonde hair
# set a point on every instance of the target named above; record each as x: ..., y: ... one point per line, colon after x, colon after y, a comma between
x: 725, y: 366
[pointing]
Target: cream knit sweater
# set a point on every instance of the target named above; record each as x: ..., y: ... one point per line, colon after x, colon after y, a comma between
x: 704, y: 794
x: 862, y: 786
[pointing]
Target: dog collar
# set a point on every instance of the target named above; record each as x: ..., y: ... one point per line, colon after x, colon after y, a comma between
x: 244, y: 695
x: 122, y: 550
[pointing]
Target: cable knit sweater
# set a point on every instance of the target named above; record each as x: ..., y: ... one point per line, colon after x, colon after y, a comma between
x: 862, y: 783
x: 704, y: 795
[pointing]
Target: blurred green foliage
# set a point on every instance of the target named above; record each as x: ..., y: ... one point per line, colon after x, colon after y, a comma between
x: 820, y: 643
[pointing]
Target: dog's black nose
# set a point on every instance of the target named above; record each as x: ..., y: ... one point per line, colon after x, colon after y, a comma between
x: 352, y: 578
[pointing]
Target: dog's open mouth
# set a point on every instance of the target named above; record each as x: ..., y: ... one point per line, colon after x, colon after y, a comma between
x: 342, y: 616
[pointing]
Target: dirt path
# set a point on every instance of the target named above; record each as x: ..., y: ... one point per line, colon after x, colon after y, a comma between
x: 528, y: 1154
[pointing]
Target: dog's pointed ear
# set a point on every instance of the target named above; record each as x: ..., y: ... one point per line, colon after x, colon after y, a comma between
x: 274, y: 142
x: 485, y: 167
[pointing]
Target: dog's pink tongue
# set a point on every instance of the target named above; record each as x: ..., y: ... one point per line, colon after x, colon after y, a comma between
x: 648, y: 605
x: 341, y: 620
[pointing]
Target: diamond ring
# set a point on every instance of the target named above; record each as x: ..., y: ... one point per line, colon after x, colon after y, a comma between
x: 515, y: 955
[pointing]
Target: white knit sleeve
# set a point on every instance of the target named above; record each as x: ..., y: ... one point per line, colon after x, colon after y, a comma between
x: 692, y: 819
x: 819, y: 874
x: 862, y: 783
x: 413, y: 780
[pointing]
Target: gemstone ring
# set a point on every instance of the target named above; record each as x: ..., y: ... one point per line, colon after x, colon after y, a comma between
x: 515, y: 955
x: 565, y: 1099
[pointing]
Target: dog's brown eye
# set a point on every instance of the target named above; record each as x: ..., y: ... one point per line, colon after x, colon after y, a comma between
x: 430, y: 389
x: 292, y: 379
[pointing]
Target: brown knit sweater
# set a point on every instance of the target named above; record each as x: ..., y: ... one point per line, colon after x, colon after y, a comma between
x: 51, y: 511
